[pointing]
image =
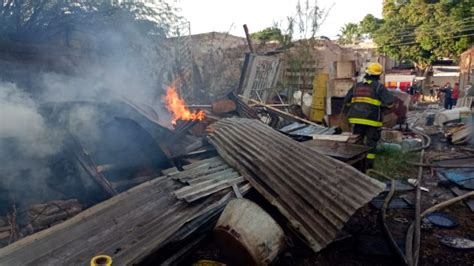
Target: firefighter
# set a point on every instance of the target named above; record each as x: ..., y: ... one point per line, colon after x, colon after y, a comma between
x: 365, y: 103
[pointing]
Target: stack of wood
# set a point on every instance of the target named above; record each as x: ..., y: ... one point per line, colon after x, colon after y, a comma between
x: 45, y: 215
x: 459, y: 135
x: 9, y: 228
x: 5, y: 231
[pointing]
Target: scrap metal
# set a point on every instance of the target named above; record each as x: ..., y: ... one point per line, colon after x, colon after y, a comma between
x: 307, y: 130
x: 317, y: 194
x: 242, y: 108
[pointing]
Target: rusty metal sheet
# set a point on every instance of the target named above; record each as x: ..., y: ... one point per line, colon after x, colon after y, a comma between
x: 316, y: 193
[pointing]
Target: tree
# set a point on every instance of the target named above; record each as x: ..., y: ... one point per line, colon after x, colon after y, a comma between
x: 309, y: 18
x: 270, y: 34
x: 350, y: 34
x: 369, y: 25
x: 421, y: 31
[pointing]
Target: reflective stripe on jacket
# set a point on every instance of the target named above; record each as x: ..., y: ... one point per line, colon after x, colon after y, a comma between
x: 365, y: 101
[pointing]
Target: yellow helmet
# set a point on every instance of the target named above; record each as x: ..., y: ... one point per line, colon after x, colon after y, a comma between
x: 375, y: 69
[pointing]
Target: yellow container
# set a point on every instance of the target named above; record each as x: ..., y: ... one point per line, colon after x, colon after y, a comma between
x: 317, y: 115
x: 208, y: 263
x: 320, y: 79
x: 319, y: 103
x: 320, y: 85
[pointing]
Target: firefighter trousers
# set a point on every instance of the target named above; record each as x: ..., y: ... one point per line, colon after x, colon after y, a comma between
x: 369, y: 136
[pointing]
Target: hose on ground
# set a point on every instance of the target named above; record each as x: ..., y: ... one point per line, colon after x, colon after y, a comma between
x: 383, y: 215
x: 413, y: 239
x: 424, y: 136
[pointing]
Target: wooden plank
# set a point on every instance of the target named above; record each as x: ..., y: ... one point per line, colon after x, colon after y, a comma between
x: 128, y: 227
x: 91, y: 169
x: 41, y: 243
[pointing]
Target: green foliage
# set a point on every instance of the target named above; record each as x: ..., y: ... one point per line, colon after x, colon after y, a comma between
x: 350, y: 34
x: 395, y: 164
x: 369, y: 25
x: 271, y: 34
x: 423, y: 30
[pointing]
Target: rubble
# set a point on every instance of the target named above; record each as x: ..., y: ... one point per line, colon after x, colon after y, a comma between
x: 45, y: 215
x: 129, y: 226
x: 142, y: 186
x: 268, y: 161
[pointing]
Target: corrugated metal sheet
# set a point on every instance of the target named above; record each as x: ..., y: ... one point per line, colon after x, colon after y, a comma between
x: 316, y: 193
x: 301, y: 129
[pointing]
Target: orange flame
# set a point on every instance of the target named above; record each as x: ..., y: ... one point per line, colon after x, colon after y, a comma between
x: 178, y: 108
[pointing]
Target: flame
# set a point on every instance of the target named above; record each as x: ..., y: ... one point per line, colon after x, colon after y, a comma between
x: 178, y: 108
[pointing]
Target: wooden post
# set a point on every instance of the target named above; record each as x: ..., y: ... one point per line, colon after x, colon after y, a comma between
x: 249, y: 41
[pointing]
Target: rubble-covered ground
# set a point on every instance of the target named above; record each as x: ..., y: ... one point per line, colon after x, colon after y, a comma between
x: 363, y: 242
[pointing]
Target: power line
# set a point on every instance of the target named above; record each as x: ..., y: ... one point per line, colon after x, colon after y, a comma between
x: 415, y: 42
x: 465, y: 30
x: 467, y: 19
x: 433, y: 28
x: 439, y: 31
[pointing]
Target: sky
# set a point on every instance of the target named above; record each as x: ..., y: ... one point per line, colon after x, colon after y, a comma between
x: 230, y: 15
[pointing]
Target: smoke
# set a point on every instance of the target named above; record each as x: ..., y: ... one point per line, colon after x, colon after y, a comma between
x: 20, y: 120
x: 25, y: 143
x: 99, y: 67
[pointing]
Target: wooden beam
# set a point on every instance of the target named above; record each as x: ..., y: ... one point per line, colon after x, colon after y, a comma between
x: 249, y: 40
x: 91, y: 168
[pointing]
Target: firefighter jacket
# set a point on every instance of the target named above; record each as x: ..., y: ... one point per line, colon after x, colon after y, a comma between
x: 366, y: 101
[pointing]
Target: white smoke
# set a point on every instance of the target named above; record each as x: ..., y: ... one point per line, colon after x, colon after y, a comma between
x: 30, y: 170
x: 20, y: 120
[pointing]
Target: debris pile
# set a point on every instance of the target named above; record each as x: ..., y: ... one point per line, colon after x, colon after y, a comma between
x: 41, y: 216
x: 316, y: 194
x: 147, y: 188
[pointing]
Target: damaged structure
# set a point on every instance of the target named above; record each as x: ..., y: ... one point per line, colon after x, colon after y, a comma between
x: 173, y: 150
